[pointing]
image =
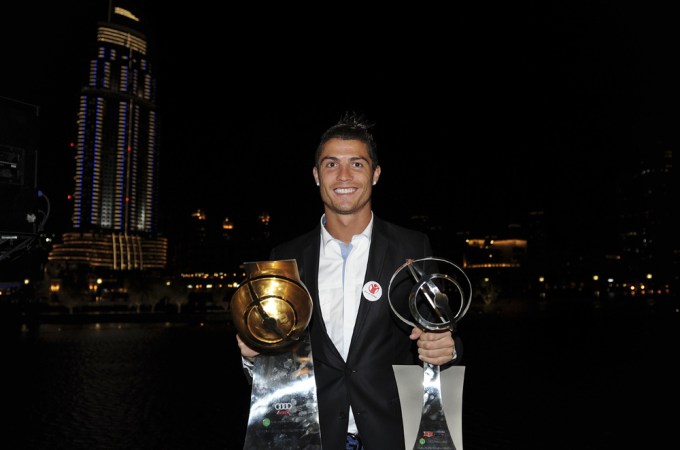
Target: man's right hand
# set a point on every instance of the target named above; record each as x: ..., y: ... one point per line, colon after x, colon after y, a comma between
x: 246, y: 351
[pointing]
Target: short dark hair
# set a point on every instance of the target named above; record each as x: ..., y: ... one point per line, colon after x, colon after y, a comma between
x: 351, y: 126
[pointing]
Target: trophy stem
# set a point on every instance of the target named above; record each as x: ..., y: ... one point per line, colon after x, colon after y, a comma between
x: 283, y: 407
x: 434, y: 432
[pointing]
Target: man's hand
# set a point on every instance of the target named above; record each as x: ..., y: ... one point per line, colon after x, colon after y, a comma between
x: 434, y: 347
x: 246, y: 351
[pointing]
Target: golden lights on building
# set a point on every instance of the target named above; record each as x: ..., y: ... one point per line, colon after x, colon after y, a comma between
x: 117, y: 251
x: 199, y: 215
x: 494, y: 253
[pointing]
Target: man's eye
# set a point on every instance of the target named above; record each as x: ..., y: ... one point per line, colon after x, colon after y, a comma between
x: 331, y: 164
x: 358, y: 164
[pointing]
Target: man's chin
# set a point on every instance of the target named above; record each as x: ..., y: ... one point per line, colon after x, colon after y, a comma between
x: 344, y: 211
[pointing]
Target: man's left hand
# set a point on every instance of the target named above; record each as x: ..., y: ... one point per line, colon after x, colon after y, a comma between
x: 434, y: 347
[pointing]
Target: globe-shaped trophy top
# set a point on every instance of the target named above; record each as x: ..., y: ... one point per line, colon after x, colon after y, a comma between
x: 440, y: 293
x: 272, y: 308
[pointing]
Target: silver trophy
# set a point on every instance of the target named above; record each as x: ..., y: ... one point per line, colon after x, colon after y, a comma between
x: 271, y: 310
x: 437, y: 301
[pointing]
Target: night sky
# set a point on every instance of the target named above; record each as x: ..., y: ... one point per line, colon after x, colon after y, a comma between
x: 483, y: 112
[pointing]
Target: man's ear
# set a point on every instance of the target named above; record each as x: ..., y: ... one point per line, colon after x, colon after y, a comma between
x: 316, y: 175
x: 376, y: 175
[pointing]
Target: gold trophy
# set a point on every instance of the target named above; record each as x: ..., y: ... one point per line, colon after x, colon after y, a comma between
x: 430, y: 305
x: 271, y: 310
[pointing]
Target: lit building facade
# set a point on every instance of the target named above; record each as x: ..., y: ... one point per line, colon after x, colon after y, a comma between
x: 488, y: 253
x: 116, y: 156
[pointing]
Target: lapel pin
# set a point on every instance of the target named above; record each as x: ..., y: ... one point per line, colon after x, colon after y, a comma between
x: 372, y: 291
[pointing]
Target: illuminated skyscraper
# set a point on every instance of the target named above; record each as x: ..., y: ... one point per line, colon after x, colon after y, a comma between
x: 116, y: 158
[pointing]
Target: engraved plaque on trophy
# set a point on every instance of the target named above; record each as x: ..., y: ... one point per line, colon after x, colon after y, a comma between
x: 430, y: 307
x: 271, y: 310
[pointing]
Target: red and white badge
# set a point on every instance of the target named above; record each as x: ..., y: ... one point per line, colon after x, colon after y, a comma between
x: 372, y: 291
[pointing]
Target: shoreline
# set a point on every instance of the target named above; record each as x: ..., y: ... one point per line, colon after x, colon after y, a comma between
x: 31, y: 314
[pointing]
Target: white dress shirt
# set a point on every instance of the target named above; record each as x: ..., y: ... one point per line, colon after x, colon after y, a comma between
x: 342, y: 269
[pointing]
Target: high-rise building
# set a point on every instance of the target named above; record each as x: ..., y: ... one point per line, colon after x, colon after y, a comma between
x: 116, y: 156
x: 649, y: 224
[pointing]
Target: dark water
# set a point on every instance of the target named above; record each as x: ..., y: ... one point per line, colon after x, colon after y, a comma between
x: 579, y: 376
x: 125, y: 386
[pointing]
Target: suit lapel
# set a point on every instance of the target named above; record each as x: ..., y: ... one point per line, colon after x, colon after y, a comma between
x: 310, y: 269
x: 374, y: 272
x: 309, y: 274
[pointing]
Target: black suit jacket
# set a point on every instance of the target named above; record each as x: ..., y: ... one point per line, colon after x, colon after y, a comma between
x: 380, y: 339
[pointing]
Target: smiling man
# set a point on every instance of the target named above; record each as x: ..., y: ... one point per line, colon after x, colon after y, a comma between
x: 346, y: 262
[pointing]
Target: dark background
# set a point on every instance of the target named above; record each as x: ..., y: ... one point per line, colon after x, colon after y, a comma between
x: 483, y: 111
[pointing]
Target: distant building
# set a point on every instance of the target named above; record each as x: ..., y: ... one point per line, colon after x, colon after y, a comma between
x: 217, y: 244
x: 115, y: 197
x: 490, y: 253
x: 649, y: 233
x: 22, y: 215
x: 497, y: 264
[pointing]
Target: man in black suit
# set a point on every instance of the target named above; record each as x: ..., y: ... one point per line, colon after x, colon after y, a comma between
x: 347, y: 262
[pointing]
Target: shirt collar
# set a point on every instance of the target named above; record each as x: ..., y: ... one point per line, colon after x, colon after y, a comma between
x: 326, y: 236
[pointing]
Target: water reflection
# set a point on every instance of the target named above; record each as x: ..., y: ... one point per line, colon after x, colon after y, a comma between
x: 125, y: 386
x: 560, y: 375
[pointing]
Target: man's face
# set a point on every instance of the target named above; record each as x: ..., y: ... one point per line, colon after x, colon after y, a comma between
x: 345, y: 176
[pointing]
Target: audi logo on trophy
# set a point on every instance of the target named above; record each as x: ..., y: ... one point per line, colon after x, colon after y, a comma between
x: 271, y: 310
x: 282, y: 406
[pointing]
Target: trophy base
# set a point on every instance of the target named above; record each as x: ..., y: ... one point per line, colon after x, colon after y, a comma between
x: 283, y: 403
x: 411, y: 394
